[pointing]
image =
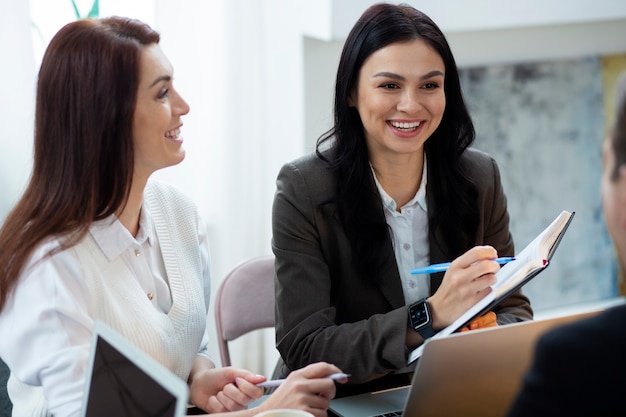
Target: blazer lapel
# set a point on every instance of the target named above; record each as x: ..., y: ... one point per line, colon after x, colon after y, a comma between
x: 391, y: 285
x: 438, y: 250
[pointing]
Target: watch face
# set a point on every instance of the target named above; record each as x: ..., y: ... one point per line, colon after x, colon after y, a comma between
x: 419, y: 314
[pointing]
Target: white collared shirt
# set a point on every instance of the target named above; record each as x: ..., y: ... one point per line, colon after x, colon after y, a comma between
x: 409, y: 230
x: 142, y: 255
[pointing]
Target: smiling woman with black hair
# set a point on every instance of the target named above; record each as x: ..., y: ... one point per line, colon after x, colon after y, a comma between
x: 392, y: 186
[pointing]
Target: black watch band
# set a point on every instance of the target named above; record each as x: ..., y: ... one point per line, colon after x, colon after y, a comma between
x: 427, y: 331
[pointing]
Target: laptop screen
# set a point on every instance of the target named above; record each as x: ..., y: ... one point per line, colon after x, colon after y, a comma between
x: 467, y: 374
x: 126, y: 382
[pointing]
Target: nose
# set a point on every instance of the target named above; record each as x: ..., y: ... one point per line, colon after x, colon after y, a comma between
x: 409, y: 102
x: 180, y: 106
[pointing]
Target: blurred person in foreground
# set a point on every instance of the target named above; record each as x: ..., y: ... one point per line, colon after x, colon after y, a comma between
x: 579, y: 369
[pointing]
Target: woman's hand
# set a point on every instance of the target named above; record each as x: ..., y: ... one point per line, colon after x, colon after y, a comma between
x: 467, y: 281
x: 306, y: 389
x: 217, y: 390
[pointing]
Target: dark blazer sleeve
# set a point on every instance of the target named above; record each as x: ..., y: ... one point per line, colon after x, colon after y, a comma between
x: 579, y: 369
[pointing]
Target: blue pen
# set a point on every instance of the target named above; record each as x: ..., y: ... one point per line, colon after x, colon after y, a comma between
x: 444, y: 266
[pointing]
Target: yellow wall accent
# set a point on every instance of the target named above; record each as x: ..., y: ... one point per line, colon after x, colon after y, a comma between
x: 612, y: 67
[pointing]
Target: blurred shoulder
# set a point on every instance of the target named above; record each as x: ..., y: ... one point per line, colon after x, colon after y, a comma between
x: 604, y: 326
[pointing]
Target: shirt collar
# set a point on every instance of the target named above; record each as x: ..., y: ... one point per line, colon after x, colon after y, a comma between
x: 146, y: 226
x: 113, y: 238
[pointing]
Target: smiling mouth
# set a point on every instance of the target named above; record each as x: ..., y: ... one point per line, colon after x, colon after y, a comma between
x: 405, y: 126
x: 173, y: 134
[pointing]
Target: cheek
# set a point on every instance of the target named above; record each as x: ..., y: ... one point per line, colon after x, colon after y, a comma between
x: 438, y: 105
x: 141, y: 120
x: 369, y: 104
x: 612, y: 203
x: 607, y: 209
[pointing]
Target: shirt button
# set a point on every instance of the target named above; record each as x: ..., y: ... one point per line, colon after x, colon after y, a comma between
x: 406, y: 246
x: 137, y: 252
x: 150, y: 296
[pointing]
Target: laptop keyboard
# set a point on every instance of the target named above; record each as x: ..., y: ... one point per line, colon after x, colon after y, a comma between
x: 391, y: 414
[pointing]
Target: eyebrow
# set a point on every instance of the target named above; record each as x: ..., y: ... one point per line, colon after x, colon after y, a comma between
x: 161, y: 78
x: 395, y: 76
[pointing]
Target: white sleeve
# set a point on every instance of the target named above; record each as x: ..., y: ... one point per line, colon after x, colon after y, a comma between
x: 45, y: 330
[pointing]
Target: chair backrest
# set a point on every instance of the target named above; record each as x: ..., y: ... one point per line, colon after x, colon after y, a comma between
x: 5, y: 401
x: 244, y: 302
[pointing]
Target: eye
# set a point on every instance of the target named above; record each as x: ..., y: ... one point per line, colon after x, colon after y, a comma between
x: 389, y: 86
x: 430, y: 86
x: 163, y: 93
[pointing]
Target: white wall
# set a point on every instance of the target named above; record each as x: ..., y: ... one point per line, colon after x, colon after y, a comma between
x: 453, y: 16
x: 16, y: 101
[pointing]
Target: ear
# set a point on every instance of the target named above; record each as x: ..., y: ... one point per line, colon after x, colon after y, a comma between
x: 620, y: 191
x: 622, y: 175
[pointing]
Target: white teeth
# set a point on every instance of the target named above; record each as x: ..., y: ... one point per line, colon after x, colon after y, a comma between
x: 409, y: 126
x: 172, y: 133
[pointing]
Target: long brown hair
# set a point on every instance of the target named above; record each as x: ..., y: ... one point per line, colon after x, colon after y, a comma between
x: 83, y: 149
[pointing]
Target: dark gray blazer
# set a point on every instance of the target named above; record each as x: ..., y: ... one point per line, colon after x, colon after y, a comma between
x: 324, y: 311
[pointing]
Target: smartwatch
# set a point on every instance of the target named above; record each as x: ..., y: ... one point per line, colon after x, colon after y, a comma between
x: 421, y: 319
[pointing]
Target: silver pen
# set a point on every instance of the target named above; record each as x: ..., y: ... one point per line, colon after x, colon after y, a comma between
x: 277, y: 382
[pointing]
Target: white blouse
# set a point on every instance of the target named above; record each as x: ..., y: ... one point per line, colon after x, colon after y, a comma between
x: 409, y: 230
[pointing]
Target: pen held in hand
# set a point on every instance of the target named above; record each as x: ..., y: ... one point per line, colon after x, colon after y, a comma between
x: 277, y: 382
x: 444, y: 266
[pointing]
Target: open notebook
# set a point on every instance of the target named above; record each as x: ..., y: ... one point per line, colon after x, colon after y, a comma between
x: 531, y: 261
x: 475, y: 373
x: 123, y: 381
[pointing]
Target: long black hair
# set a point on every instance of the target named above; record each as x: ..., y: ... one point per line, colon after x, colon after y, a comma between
x: 358, y: 203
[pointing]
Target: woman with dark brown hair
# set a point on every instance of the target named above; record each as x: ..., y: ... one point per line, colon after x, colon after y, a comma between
x: 93, y: 238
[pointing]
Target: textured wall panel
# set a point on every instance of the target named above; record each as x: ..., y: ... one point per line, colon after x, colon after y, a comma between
x: 544, y: 124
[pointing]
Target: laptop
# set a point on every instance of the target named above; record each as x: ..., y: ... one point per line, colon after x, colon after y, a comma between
x: 124, y: 381
x: 475, y: 373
